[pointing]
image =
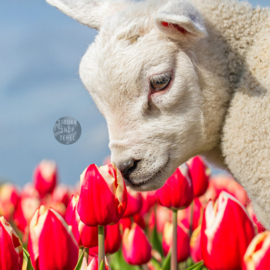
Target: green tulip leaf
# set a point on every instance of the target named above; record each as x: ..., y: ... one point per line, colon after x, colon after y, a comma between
x: 197, y: 266
x: 101, y: 265
x: 26, y: 256
x: 79, y: 264
x: 117, y: 262
x: 189, y: 262
x: 167, y: 262
x: 155, y: 263
x: 155, y: 240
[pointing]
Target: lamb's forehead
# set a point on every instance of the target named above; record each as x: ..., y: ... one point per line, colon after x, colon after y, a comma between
x: 116, y: 61
x: 134, y: 17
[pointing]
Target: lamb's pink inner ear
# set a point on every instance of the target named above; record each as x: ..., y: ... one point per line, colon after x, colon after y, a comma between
x: 176, y: 26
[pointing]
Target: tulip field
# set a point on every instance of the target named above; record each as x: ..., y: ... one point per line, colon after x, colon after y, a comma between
x: 195, y: 221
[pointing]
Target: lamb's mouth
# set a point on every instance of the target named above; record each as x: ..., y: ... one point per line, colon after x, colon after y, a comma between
x: 140, y: 186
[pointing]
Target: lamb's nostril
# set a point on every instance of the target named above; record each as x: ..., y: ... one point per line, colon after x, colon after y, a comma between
x: 128, y: 167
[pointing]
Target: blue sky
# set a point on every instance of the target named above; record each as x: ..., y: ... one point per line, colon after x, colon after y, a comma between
x: 40, y: 51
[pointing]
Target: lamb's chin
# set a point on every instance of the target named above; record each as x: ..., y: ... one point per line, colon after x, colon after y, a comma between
x: 153, y: 183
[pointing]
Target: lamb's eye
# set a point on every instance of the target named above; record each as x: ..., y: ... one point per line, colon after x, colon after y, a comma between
x: 160, y: 82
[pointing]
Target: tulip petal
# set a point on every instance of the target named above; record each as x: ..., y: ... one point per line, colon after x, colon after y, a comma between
x: 11, y: 254
x: 57, y: 247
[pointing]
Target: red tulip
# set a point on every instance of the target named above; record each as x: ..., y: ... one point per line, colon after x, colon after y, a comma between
x: 259, y: 226
x: 223, y: 182
x: 185, y: 214
x: 159, y: 218
x: 149, y: 200
x: 26, y: 207
x: 86, y: 236
x: 104, y: 189
x: 177, y: 192
x: 61, y: 194
x: 11, y: 250
x: 51, y: 244
x: 139, y: 219
x: 200, y: 176
x: 94, y: 264
x: 113, y: 239
x: 195, y: 245
x: 226, y: 233
x: 183, y: 250
x: 45, y: 177
x: 125, y: 223
x: 136, y: 247
x: 257, y: 256
x: 9, y: 199
x: 134, y: 203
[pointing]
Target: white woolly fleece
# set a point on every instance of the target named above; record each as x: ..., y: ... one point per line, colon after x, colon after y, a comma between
x: 217, y: 53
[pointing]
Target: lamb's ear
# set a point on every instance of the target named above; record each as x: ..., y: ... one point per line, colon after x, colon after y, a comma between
x: 178, y: 19
x: 89, y: 12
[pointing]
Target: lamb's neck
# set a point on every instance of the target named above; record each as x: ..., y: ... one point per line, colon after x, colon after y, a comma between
x: 235, y: 24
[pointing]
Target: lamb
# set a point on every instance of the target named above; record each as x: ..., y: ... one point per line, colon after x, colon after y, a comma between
x: 179, y: 78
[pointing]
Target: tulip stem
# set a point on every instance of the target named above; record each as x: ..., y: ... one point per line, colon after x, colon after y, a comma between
x: 86, y: 254
x: 101, y: 249
x: 174, y: 241
x: 191, y: 218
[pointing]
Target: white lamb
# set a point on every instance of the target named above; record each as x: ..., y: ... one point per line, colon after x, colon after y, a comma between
x: 177, y: 78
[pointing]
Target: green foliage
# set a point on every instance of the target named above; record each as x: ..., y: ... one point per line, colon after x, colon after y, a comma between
x: 166, y: 265
x: 117, y: 262
x: 189, y: 262
x: 197, y: 266
x: 26, y: 257
x: 101, y: 265
x: 79, y: 264
x: 156, y: 264
x: 156, y: 242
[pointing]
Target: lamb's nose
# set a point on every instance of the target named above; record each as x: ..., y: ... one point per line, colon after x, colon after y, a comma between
x: 128, y: 167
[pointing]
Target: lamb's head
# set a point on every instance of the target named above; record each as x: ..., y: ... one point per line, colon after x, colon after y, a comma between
x: 142, y: 75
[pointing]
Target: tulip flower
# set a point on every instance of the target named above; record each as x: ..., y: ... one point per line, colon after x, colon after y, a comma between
x: 257, y: 256
x: 226, y: 233
x: 125, y: 223
x: 51, y: 243
x: 61, y: 194
x: 134, y: 203
x: 136, y: 247
x: 197, y: 213
x: 45, y: 177
x: 94, y: 264
x: 149, y: 200
x: 11, y: 250
x: 223, y: 182
x: 113, y: 239
x: 86, y: 236
x: 258, y: 225
x: 183, y: 250
x: 9, y: 199
x: 159, y: 218
x: 200, y: 176
x: 26, y: 207
x: 195, y: 245
x: 177, y: 191
x: 103, y: 189
x: 139, y: 219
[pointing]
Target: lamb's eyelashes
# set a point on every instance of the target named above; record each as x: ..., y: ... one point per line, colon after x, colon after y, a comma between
x: 160, y: 82
x: 157, y: 89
